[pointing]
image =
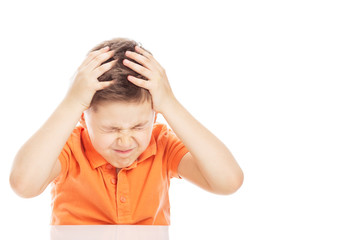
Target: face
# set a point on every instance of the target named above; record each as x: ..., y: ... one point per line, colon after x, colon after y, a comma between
x: 120, y: 131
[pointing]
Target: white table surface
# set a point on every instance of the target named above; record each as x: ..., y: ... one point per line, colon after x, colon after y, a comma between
x: 109, y: 232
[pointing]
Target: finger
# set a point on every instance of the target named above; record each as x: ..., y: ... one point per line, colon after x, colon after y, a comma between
x: 104, y: 68
x: 137, y: 68
x: 146, y: 62
x: 143, y: 52
x: 148, y: 55
x: 99, y: 59
x: 93, y: 54
x: 106, y: 84
x: 139, y: 82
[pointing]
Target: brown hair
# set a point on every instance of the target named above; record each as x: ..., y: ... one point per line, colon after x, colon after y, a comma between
x: 122, y: 89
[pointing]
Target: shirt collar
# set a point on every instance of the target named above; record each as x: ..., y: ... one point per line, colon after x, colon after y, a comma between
x: 96, y: 160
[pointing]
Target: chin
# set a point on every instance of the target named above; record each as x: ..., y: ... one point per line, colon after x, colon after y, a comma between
x: 122, y: 163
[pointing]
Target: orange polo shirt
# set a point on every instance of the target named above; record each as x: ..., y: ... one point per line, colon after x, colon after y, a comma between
x: 88, y: 190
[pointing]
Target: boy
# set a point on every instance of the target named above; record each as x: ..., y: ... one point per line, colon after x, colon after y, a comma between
x: 115, y: 166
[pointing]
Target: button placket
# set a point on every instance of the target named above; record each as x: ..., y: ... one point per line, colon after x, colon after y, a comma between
x: 122, y: 199
x: 112, y: 177
x: 113, y: 180
x: 123, y: 203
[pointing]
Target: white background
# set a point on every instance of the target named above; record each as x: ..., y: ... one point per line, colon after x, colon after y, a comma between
x: 276, y: 81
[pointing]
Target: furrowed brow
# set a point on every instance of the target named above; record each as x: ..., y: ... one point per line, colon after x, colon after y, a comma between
x: 141, y: 124
x: 117, y: 128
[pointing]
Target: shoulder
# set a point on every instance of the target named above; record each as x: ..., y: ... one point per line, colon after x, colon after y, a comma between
x: 161, y: 132
x: 76, y: 133
x: 164, y: 136
x: 75, y: 138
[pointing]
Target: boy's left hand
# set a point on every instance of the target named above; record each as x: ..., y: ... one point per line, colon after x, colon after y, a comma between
x: 157, y: 83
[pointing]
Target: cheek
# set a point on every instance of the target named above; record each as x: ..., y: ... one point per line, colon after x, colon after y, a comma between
x: 103, y: 141
x: 143, y: 138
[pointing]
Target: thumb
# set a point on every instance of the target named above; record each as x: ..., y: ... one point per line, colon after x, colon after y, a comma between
x: 106, y: 84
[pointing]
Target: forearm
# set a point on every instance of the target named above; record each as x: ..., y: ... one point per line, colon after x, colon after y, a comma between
x: 37, y: 157
x: 214, y: 160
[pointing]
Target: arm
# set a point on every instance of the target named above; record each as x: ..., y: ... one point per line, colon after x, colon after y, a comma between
x: 211, y: 159
x: 209, y: 163
x: 36, y: 164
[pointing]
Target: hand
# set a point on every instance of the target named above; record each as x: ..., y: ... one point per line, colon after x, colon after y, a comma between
x: 86, y: 82
x: 157, y: 83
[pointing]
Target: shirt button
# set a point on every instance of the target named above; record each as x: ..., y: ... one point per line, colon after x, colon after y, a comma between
x: 122, y: 199
x: 109, y: 166
x: 113, y: 180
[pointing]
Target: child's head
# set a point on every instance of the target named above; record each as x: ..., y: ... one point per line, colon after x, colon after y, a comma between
x: 122, y: 90
x: 120, y: 118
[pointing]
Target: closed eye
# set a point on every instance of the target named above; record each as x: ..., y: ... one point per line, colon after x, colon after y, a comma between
x: 138, y: 128
x: 110, y: 130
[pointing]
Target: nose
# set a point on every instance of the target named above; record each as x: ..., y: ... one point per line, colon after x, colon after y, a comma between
x: 124, y: 139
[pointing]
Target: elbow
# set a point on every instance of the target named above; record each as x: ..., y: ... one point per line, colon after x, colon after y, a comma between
x: 239, y: 181
x: 233, y: 184
x: 236, y: 184
x: 21, y: 189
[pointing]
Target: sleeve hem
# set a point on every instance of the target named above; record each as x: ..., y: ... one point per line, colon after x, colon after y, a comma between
x: 177, y: 161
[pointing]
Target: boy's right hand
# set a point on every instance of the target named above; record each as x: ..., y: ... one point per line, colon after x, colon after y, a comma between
x: 85, y: 82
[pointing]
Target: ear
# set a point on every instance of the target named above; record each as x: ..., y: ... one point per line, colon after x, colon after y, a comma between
x: 82, y: 121
x: 155, y: 117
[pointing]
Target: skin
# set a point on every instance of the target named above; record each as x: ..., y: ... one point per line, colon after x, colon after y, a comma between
x: 209, y: 164
x: 120, y: 138
x: 36, y: 163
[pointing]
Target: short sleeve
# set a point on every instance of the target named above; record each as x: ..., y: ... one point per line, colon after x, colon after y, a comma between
x: 175, y: 151
x: 64, y: 159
